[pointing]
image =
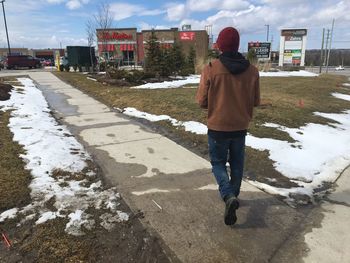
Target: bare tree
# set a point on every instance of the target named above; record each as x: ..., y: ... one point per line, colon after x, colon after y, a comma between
x: 90, y: 32
x: 103, y: 20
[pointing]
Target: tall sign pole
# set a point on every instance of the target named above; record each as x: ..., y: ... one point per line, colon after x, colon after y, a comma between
x: 7, y: 35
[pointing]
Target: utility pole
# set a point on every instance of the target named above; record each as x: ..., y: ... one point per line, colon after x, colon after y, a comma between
x: 330, y: 46
x: 7, y: 35
x: 267, y: 32
x: 326, y: 51
x: 322, y: 50
x: 271, y: 48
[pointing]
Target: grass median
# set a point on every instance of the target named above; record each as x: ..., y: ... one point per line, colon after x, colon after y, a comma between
x: 289, y: 102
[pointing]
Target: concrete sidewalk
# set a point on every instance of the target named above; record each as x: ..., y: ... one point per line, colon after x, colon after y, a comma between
x: 172, y: 186
x: 175, y: 190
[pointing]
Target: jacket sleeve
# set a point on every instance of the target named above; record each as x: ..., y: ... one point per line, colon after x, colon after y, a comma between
x: 257, y: 92
x: 202, y: 92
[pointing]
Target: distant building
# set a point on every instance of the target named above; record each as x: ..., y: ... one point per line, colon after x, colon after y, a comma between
x: 38, y: 53
x: 17, y: 51
x: 46, y: 53
x: 129, y: 46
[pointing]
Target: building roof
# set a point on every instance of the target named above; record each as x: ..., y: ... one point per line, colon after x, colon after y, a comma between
x: 125, y: 28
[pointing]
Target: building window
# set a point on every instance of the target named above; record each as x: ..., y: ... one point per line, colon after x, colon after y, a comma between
x: 128, y: 57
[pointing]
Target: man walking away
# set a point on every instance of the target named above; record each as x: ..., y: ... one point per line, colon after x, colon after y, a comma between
x: 228, y: 89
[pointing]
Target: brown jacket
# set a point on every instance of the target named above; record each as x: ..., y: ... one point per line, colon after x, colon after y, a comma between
x: 229, y: 98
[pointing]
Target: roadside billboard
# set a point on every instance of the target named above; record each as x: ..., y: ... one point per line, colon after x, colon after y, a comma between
x: 262, y: 49
x: 292, y: 47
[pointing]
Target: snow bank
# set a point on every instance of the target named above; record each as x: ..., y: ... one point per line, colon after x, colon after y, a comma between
x: 193, y: 79
x: 301, y: 73
x: 49, y: 147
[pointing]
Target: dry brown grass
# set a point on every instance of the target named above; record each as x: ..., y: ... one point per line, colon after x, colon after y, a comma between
x: 287, y: 101
x: 14, y: 179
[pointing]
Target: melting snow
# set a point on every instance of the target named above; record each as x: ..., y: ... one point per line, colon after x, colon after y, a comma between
x: 49, y: 147
x: 301, y: 73
x: 190, y: 126
x: 193, y: 79
x: 341, y: 96
x: 319, y: 154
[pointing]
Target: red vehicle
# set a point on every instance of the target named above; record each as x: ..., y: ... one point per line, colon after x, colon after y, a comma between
x: 19, y: 61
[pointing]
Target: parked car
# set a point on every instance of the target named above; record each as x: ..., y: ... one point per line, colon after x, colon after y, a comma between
x: 64, y: 64
x: 17, y: 61
x: 46, y: 63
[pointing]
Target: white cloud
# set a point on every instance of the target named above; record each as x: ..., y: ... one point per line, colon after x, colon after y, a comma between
x: 124, y: 10
x: 206, y: 5
x: 176, y: 12
x: 146, y: 26
x: 73, y: 4
x: 55, y: 1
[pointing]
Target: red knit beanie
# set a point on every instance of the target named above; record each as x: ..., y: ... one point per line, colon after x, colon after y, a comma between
x: 228, y: 39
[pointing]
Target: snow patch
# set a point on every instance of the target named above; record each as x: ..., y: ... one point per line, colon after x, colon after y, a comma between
x: 50, y: 149
x: 190, y: 126
x: 301, y: 73
x: 341, y: 96
x: 319, y: 154
x: 91, y: 79
x: 193, y: 79
x: 8, y: 214
x: 46, y: 216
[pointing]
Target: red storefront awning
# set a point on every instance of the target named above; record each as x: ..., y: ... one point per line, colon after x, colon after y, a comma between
x: 106, y: 47
x: 127, y: 47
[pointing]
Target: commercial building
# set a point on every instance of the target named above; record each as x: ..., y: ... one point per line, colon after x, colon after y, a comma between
x: 129, y: 46
x: 18, y: 51
x: 38, y: 53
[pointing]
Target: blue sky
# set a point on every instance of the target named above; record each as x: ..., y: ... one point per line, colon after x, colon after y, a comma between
x: 51, y: 23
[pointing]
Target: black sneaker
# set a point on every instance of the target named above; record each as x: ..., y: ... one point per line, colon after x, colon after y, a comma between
x: 232, y: 205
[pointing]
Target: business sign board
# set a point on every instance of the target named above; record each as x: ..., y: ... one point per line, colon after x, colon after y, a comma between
x: 114, y: 36
x: 292, y: 47
x: 187, y: 36
x: 262, y: 49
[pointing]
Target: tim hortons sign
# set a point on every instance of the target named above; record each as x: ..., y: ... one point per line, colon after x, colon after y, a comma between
x: 114, y: 35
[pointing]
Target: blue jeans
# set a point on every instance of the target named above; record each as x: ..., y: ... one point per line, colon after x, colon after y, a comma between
x: 222, y: 151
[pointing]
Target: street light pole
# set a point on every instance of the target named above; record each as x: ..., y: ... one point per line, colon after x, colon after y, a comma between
x: 7, y: 34
x: 267, y: 32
